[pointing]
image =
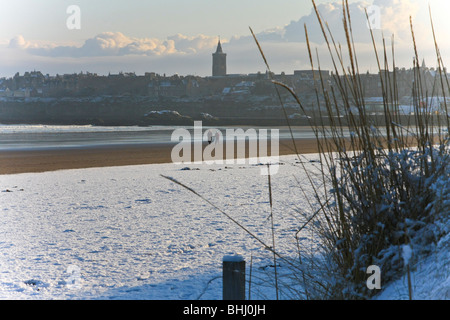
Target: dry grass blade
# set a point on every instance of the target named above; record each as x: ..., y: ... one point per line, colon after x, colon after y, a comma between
x: 273, y: 232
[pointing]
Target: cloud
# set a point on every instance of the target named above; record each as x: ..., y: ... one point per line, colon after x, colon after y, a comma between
x: 332, y: 14
x: 395, y: 16
x: 112, y: 52
x: 196, y: 44
x: 19, y: 42
x: 394, y: 19
x: 118, y: 44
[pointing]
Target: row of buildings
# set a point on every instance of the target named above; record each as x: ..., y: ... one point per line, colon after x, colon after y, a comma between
x: 227, y: 86
x: 36, y: 84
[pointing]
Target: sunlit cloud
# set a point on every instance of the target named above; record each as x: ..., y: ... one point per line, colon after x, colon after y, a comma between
x: 118, y: 44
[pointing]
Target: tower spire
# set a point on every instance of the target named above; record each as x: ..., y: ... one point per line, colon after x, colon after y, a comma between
x: 219, y: 61
x: 219, y: 47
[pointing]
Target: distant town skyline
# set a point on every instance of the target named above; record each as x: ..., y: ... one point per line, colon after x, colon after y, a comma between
x: 179, y: 37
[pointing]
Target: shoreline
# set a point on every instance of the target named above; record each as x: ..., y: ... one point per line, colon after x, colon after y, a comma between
x: 42, y: 160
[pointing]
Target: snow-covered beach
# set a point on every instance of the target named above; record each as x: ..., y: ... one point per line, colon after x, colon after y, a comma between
x: 126, y: 232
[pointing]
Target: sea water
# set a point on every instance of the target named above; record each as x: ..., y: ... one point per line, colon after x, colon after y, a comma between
x: 23, y: 137
x: 31, y: 137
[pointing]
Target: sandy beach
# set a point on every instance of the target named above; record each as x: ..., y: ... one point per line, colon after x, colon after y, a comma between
x: 12, y: 162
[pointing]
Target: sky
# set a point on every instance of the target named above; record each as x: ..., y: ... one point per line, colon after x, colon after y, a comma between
x: 179, y: 36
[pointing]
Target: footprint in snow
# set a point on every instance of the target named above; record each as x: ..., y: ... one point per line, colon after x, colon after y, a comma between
x: 143, y: 200
x: 36, y: 284
x: 9, y: 190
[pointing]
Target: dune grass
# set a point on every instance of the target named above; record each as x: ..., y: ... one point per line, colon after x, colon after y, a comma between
x: 378, y: 190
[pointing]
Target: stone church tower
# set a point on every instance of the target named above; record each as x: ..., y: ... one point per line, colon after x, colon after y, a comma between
x: 219, y: 67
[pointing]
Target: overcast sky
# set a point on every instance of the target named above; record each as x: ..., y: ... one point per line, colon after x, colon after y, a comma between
x: 179, y: 36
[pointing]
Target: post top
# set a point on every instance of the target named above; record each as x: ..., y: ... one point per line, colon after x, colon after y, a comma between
x: 234, y: 258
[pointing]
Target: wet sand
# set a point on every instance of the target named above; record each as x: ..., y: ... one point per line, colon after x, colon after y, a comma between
x: 12, y: 162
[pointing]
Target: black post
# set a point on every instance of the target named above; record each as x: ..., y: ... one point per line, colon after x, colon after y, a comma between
x: 233, y: 278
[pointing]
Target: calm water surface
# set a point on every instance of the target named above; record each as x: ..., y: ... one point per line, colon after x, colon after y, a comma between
x: 26, y: 137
